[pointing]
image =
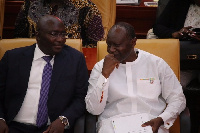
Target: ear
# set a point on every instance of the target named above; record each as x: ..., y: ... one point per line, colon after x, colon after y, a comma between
x: 133, y: 42
x: 37, y: 35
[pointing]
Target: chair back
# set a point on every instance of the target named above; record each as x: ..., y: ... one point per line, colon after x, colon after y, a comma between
x: 8, y: 44
x: 167, y: 49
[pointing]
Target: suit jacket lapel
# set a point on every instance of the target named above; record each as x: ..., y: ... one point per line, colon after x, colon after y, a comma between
x: 25, y: 66
x: 58, y: 68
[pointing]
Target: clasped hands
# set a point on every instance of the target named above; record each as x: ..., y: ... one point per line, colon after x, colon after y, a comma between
x: 186, y: 32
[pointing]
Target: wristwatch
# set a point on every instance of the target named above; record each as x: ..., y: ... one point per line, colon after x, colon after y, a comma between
x: 64, y: 120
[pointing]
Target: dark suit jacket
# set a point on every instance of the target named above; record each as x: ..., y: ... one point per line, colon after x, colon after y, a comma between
x: 172, y: 19
x: 68, y: 85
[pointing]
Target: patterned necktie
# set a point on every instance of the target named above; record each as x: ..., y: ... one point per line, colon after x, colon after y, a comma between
x: 42, y: 115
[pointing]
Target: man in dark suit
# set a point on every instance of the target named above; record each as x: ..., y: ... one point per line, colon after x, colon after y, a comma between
x: 21, y: 76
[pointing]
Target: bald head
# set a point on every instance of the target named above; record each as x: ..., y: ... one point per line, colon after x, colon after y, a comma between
x: 46, y: 21
x: 129, y: 29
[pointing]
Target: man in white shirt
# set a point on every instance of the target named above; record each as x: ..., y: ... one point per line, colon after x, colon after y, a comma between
x: 130, y: 81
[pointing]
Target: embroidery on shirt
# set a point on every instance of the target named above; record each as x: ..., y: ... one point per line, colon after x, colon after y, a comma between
x: 151, y: 80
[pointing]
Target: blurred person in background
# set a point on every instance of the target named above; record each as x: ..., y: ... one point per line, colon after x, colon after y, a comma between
x: 81, y: 18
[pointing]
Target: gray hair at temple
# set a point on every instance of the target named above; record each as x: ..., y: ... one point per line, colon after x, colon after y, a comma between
x: 130, y: 32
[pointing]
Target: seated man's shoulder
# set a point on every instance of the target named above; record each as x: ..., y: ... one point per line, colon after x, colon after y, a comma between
x: 72, y: 50
x: 150, y: 56
x: 21, y: 48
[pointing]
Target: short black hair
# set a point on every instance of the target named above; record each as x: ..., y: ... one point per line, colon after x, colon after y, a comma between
x: 128, y: 27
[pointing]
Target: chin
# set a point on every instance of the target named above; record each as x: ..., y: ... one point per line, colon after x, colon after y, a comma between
x: 56, y: 52
x: 56, y: 49
x: 117, y: 57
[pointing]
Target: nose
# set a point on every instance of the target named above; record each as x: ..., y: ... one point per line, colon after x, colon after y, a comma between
x: 112, y: 48
x: 60, y: 38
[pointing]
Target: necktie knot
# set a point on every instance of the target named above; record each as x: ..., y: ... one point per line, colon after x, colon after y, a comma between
x: 47, y: 58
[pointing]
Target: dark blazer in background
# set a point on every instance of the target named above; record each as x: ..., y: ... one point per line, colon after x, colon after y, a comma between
x: 172, y: 19
x: 67, y: 90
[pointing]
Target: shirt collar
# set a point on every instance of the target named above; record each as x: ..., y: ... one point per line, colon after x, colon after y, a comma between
x: 38, y: 53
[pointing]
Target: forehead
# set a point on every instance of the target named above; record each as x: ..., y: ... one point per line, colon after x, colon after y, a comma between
x: 117, y: 34
x: 53, y: 25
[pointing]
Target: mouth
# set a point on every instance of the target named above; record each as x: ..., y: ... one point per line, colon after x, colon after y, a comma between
x: 117, y: 56
x: 58, y: 46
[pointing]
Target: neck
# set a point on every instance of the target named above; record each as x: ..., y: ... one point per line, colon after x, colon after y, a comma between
x: 126, y: 58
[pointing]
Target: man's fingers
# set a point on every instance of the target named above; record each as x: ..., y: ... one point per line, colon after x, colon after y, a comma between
x: 117, y: 65
x: 148, y: 123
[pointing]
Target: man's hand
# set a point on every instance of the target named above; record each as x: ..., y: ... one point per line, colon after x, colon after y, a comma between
x: 154, y: 123
x: 3, y: 126
x: 109, y: 65
x: 56, y: 127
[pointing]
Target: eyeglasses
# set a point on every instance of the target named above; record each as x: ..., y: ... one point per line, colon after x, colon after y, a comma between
x: 56, y: 34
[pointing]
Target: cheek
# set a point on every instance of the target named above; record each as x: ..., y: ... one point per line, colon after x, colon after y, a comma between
x: 46, y: 40
x: 49, y: 44
x: 50, y: 40
x: 64, y: 40
x: 121, y: 50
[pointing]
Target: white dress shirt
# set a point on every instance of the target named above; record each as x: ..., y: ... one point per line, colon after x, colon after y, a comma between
x: 29, y: 108
x: 145, y: 85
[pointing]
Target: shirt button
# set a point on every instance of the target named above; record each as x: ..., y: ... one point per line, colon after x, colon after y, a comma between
x: 104, y: 84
